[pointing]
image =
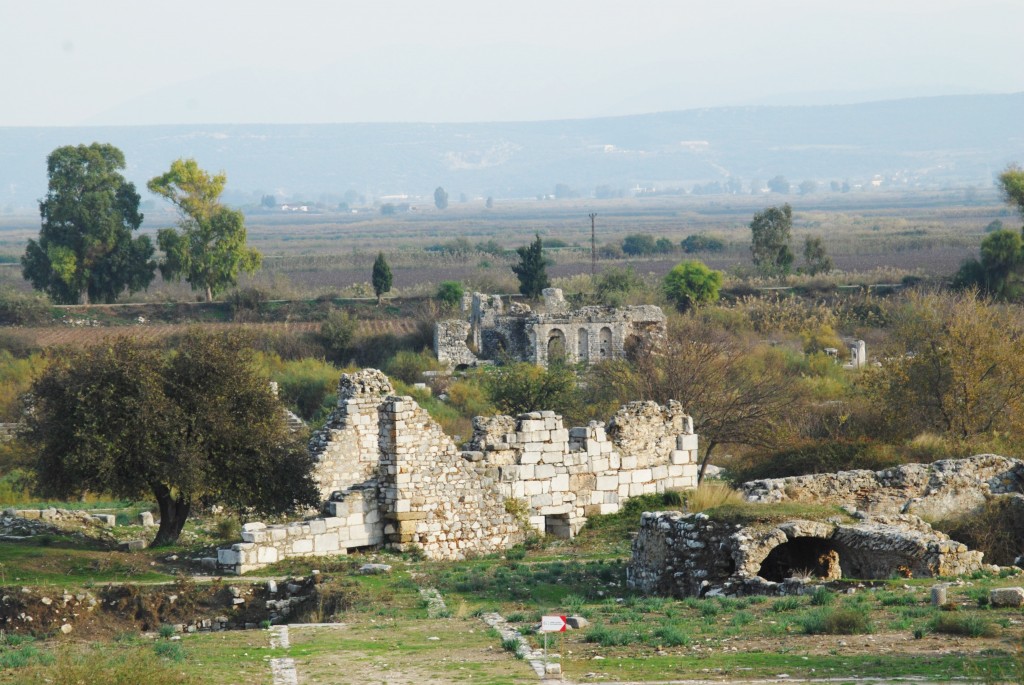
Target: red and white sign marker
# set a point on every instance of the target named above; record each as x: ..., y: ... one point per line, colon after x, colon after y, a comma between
x: 552, y: 624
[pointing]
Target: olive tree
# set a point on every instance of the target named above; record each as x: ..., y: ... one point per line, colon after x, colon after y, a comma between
x: 196, y: 424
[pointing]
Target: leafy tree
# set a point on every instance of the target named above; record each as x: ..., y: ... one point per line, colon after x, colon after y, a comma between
x: 807, y: 187
x: 702, y: 242
x: 736, y: 394
x: 993, y: 226
x: 965, y: 378
x: 388, y: 209
x: 337, y: 332
x: 691, y: 283
x: 531, y: 269
x: 196, y: 425
x: 998, y: 272
x: 450, y: 293
x: 664, y: 246
x: 381, y: 278
x: 1011, y: 184
x: 489, y: 202
x: 614, y: 285
x: 778, y: 184
x: 440, y: 198
x: 638, y: 245
x: 85, y: 251
x: 518, y: 387
x: 771, y: 230
x: 209, y: 251
x: 268, y: 202
x: 816, y: 259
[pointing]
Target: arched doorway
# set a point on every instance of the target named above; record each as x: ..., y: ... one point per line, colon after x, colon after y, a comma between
x: 605, y: 343
x: 556, y: 345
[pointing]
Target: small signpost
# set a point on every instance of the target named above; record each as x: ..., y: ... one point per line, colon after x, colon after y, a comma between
x: 551, y: 624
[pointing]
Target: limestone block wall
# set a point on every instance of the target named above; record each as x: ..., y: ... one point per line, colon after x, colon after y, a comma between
x: 450, y: 343
x: 346, y: 448
x: 565, y: 475
x: 353, y: 522
x: 434, y: 498
x: 391, y: 476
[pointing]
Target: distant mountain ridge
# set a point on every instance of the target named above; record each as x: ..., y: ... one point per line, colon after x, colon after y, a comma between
x: 935, y: 141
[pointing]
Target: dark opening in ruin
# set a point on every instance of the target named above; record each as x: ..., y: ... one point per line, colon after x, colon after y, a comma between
x: 802, y: 557
x: 557, y: 526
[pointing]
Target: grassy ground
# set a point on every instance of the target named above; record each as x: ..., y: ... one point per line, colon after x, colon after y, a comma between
x: 882, y: 629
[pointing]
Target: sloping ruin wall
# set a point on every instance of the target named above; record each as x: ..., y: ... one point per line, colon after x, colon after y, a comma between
x: 391, y: 476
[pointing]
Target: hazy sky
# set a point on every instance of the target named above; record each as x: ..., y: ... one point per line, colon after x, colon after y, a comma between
x: 81, y: 62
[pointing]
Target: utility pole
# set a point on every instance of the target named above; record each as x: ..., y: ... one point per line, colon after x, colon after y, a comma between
x: 593, y: 248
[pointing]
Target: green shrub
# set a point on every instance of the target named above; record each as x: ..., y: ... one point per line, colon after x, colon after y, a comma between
x: 835, y: 621
x: 305, y: 385
x: 166, y: 630
x: 510, y: 644
x: 787, y: 603
x: 172, y: 651
x: 606, y: 637
x: 822, y: 597
x: 246, y: 303
x: 702, y: 242
x: 22, y: 309
x: 227, y: 530
x: 670, y: 636
x: 408, y: 366
x: 337, y: 332
x: 450, y: 293
x: 966, y: 625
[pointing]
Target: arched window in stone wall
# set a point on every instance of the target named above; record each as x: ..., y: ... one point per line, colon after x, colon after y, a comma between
x: 606, y: 343
x: 556, y: 344
x: 583, y: 345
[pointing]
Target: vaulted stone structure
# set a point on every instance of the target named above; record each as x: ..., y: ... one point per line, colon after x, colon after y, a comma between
x: 584, y: 335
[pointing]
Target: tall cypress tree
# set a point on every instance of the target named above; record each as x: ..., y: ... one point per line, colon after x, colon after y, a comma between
x: 381, y: 276
x: 531, y: 269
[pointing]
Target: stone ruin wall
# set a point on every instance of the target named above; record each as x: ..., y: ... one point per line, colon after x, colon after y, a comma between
x: 934, y: 491
x: 584, y: 335
x: 693, y: 555
x: 391, y: 476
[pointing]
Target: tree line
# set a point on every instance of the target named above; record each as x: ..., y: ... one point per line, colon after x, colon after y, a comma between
x: 86, y: 251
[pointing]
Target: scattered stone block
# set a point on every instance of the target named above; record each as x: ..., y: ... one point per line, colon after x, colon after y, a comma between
x: 146, y: 519
x: 132, y: 545
x: 1006, y: 597
x: 373, y: 569
x: 576, y: 622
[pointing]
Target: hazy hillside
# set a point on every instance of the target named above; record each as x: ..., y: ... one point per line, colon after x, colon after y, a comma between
x: 924, y: 141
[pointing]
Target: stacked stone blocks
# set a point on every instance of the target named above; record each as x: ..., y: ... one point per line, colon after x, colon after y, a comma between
x: 391, y: 476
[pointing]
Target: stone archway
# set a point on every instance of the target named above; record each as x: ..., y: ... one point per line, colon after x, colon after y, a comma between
x: 556, y: 344
x: 802, y: 558
x: 605, y: 343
